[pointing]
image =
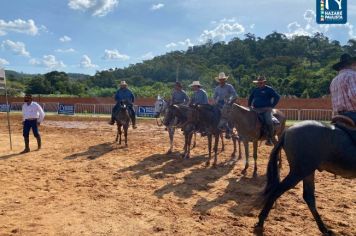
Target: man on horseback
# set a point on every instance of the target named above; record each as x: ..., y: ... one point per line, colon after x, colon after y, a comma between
x: 199, y: 97
x: 179, y: 96
x: 124, y: 95
x: 343, y: 87
x: 263, y: 99
x: 222, y: 92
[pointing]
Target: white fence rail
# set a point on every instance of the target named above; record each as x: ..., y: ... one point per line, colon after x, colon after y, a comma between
x: 97, y: 109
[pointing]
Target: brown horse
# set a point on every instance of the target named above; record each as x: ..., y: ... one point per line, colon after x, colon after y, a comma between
x: 249, y: 128
x: 122, y: 119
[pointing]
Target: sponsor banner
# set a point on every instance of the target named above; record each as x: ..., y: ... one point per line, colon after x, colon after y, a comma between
x: 145, y: 111
x: 4, y: 107
x: 66, y: 109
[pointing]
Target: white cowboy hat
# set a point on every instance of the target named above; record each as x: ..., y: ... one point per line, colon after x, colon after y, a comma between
x: 221, y: 76
x: 260, y: 79
x: 123, y: 83
x: 195, y: 83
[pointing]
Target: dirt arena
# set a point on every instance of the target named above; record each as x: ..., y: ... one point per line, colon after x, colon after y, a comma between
x: 82, y: 183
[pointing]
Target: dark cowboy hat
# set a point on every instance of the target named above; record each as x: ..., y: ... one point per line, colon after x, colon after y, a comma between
x: 179, y: 84
x: 345, y: 60
x: 260, y: 79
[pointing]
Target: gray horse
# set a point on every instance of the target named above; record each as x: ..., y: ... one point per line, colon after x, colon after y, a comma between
x: 309, y: 146
x: 249, y: 128
x: 122, y: 119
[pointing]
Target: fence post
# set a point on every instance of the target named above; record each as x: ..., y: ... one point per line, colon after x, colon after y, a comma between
x: 94, y: 109
x: 299, y: 115
x: 44, y: 105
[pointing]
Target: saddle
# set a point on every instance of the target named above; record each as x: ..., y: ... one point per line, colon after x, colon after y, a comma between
x: 262, y: 124
x: 346, y: 124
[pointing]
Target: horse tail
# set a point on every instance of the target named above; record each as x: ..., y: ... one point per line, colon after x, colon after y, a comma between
x: 272, y: 167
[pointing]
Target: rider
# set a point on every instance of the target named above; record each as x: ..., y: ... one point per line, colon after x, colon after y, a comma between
x: 343, y: 87
x: 199, y: 97
x: 124, y: 95
x: 263, y: 99
x: 179, y: 96
x: 222, y: 92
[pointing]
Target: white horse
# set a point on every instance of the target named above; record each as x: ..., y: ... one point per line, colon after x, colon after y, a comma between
x: 161, y: 106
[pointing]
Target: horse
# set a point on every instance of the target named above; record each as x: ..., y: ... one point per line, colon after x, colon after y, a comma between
x: 249, y: 128
x: 161, y: 107
x: 122, y: 119
x: 197, y: 119
x: 309, y: 146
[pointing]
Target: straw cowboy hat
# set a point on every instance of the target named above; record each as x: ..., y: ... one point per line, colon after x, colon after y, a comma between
x: 345, y: 60
x: 260, y: 79
x: 195, y: 83
x: 221, y: 76
x: 123, y: 83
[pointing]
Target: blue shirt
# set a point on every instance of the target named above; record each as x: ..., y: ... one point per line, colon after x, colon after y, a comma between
x: 199, y: 97
x: 224, y: 92
x: 263, y: 97
x: 179, y: 97
x: 124, y: 94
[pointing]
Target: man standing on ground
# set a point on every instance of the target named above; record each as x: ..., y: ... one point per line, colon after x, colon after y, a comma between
x: 263, y: 99
x: 343, y: 87
x: 33, y: 116
x: 124, y: 95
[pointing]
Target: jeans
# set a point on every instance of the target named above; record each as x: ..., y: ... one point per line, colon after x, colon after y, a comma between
x: 28, y: 125
x: 266, y: 113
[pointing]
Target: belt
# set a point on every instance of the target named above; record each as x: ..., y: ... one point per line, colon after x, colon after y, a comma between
x: 31, y: 119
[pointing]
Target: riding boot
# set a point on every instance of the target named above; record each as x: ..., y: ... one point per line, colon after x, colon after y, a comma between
x: 270, y: 132
x: 133, y: 120
x: 112, y: 121
x: 39, y: 142
x: 228, y: 133
x: 27, y: 145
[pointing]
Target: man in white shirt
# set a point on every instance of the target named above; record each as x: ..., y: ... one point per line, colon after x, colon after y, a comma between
x: 33, y: 116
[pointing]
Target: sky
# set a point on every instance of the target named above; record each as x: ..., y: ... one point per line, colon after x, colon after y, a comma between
x: 85, y: 36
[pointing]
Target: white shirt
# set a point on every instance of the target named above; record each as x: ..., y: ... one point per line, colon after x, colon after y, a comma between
x: 33, y: 111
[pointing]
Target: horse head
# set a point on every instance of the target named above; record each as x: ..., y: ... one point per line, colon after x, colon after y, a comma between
x: 160, y: 107
x: 172, y: 113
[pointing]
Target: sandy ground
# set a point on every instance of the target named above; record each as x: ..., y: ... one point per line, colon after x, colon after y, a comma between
x: 82, y: 183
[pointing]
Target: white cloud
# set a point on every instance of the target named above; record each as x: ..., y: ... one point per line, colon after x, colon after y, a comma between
x: 309, y: 27
x: 18, y: 26
x: 48, y: 61
x: 157, y: 6
x: 18, y: 48
x: 68, y: 50
x: 147, y: 56
x: 186, y: 43
x: 3, y: 62
x: 86, y: 62
x: 115, y: 55
x: 96, y: 7
x: 65, y: 39
x: 222, y: 31
x: 171, y: 45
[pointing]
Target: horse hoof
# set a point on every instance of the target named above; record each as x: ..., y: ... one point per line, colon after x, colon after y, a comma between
x: 169, y: 152
x: 244, y: 172
x: 187, y: 157
x: 214, y: 166
x: 254, y: 175
x: 207, y: 164
x: 258, y: 229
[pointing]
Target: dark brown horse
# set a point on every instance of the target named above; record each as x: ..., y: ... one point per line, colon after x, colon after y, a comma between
x: 122, y: 119
x: 249, y: 128
x: 309, y: 146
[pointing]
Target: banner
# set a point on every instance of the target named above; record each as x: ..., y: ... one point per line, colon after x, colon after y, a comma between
x: 66, y: 109
x: 146, y: 111
x: 4, y: 107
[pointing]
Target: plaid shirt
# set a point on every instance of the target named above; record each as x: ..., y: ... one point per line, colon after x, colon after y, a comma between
x: 343, y: 91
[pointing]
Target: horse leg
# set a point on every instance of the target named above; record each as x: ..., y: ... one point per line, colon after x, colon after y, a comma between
x: 244, y: 171
x: 222, y: 142
x: 195, y: 140
x: 189, y: 142
x: 216, y: 144
x: 119, y: 130
x: 125, y: 134
x: 171, y: 136
x: 289, y: 182
x: 233, y: 154
x: 209, y: 148
x: 185, y: 145
x: 309, y: 198
x: 255, y: 158
x: 240, y: 152
x: 117, y: 133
